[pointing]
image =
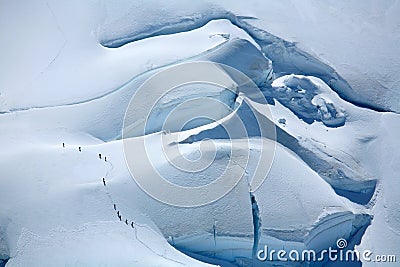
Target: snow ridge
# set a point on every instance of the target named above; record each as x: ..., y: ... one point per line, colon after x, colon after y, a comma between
x: 287, y: 58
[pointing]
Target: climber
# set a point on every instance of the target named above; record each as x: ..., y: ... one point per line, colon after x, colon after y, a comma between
x: 126, y: 221
x: 115, y: 207
x: 132, y: 225
x: 104, y: 181
x: 99, y: 156
x: 105, y: 158
x: 79, y: 148
x: 63, y: 145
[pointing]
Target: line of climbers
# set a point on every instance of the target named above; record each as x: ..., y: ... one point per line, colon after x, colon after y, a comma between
x: 80, y: 150
x: 104, y: 183
x: 120, y: 217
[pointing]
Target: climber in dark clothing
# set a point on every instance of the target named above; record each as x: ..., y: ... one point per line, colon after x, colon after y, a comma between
x: 126, y: 221
x: 79, y: 148
x: 63, y: 145
x: 99, y: 156
x: 104, y: 182
x: 119, y: 216
x: 115, y: 207
x: 105, y: 158
x: 132, y: 225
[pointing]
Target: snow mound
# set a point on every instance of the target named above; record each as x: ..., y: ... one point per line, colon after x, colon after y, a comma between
x: 230, y: 230
x: 246, y: 58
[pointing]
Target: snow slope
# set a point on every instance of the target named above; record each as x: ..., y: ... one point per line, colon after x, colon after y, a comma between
x: 63, y: 215
x: 69, y: 70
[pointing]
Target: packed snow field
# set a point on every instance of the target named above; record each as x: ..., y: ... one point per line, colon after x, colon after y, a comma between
x: 328, y: 105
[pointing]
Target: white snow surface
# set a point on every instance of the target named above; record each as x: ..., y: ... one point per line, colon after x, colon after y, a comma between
x: 70, y: 68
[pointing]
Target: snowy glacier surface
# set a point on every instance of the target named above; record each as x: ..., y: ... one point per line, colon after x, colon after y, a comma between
x: 328, y: 99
